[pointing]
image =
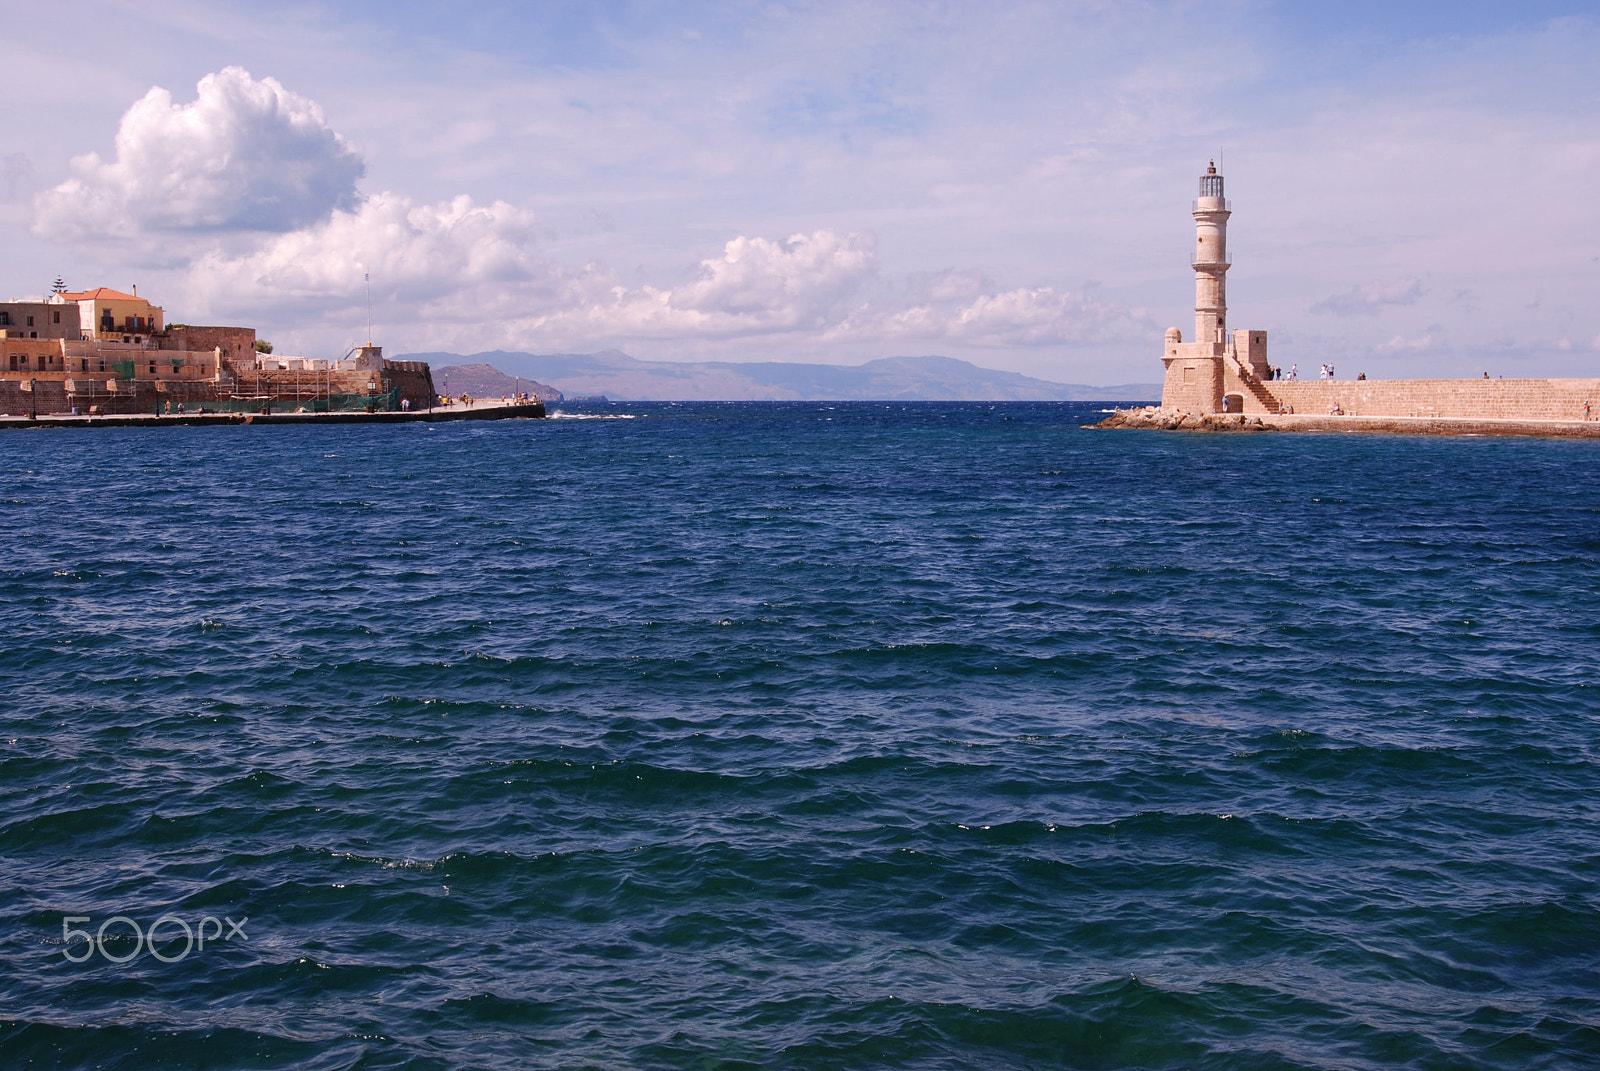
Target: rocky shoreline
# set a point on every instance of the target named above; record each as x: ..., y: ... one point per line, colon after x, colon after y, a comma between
x: 1155, y: 418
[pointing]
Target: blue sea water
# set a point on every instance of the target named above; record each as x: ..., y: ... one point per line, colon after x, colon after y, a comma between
x: 811, y: 735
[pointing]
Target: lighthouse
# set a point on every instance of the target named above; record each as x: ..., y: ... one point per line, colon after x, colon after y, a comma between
x: 1211, y: 259
x: 1216, y: 372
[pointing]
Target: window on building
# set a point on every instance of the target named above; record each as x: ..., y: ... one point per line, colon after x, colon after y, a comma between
x: 152, y: 368
x: 30, y: 321
x: 5, y: 319
x: 57, y: 317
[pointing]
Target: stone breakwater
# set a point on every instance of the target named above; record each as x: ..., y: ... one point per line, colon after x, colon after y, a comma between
x: 1155, y: 418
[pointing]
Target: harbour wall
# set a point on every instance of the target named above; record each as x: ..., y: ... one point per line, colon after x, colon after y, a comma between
x: 1452, y: 399
x: 1443, y: 399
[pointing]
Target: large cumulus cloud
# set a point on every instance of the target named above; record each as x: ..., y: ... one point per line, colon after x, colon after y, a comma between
x: 245, y: 155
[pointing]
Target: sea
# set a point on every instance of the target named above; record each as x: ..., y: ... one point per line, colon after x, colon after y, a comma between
x: 801, y: 735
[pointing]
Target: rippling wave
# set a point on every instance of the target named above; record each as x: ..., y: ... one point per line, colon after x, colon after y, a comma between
x: 799, y: 735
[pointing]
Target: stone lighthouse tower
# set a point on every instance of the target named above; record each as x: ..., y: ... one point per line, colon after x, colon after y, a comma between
x: 1211, y: 259
x: 1214, y: 373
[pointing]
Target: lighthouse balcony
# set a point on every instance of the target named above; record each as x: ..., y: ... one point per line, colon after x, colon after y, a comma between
x: 1211, y: 204
x: 1211, y: 262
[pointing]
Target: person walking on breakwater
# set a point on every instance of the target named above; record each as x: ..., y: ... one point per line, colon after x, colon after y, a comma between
x: 1294, y: 371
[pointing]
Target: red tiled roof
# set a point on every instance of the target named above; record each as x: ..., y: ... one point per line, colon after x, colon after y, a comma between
x: 101, y: 293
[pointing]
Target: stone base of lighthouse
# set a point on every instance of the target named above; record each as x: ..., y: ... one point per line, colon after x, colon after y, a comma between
x: 1217, y: 377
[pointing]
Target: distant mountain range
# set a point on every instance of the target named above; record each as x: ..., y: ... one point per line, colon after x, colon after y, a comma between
x: 620, y: 377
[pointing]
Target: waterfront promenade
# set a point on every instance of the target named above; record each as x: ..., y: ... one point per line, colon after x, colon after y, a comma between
x: 485, y: 409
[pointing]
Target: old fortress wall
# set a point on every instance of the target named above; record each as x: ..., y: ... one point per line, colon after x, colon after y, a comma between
x: 1228, y: 372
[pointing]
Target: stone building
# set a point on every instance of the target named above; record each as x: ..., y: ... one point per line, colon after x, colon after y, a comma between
x: 48, y: 318
x: 108, y: 313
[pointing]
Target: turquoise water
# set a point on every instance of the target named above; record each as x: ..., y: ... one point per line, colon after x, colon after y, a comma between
x: 812, y: 735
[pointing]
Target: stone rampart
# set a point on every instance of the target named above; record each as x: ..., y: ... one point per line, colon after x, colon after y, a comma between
x: 236, y: 343
x: 1448, y: 399
x: 413, y: 380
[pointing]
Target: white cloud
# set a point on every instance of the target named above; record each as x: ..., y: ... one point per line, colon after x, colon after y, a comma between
x: 758, y: 286
x: 1414, y: 344
x: 246, y: 155
x: 1042, y: 316
x: 1367, y: 300
x: 956, y: 286
x: 414, y: 252
x: 1037, y: 316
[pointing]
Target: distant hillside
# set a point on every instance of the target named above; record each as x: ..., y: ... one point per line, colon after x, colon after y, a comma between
x: 618, y: 376
x: 484, y: 381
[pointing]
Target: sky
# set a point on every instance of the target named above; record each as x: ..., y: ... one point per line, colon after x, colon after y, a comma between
x: 1414, y: 185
